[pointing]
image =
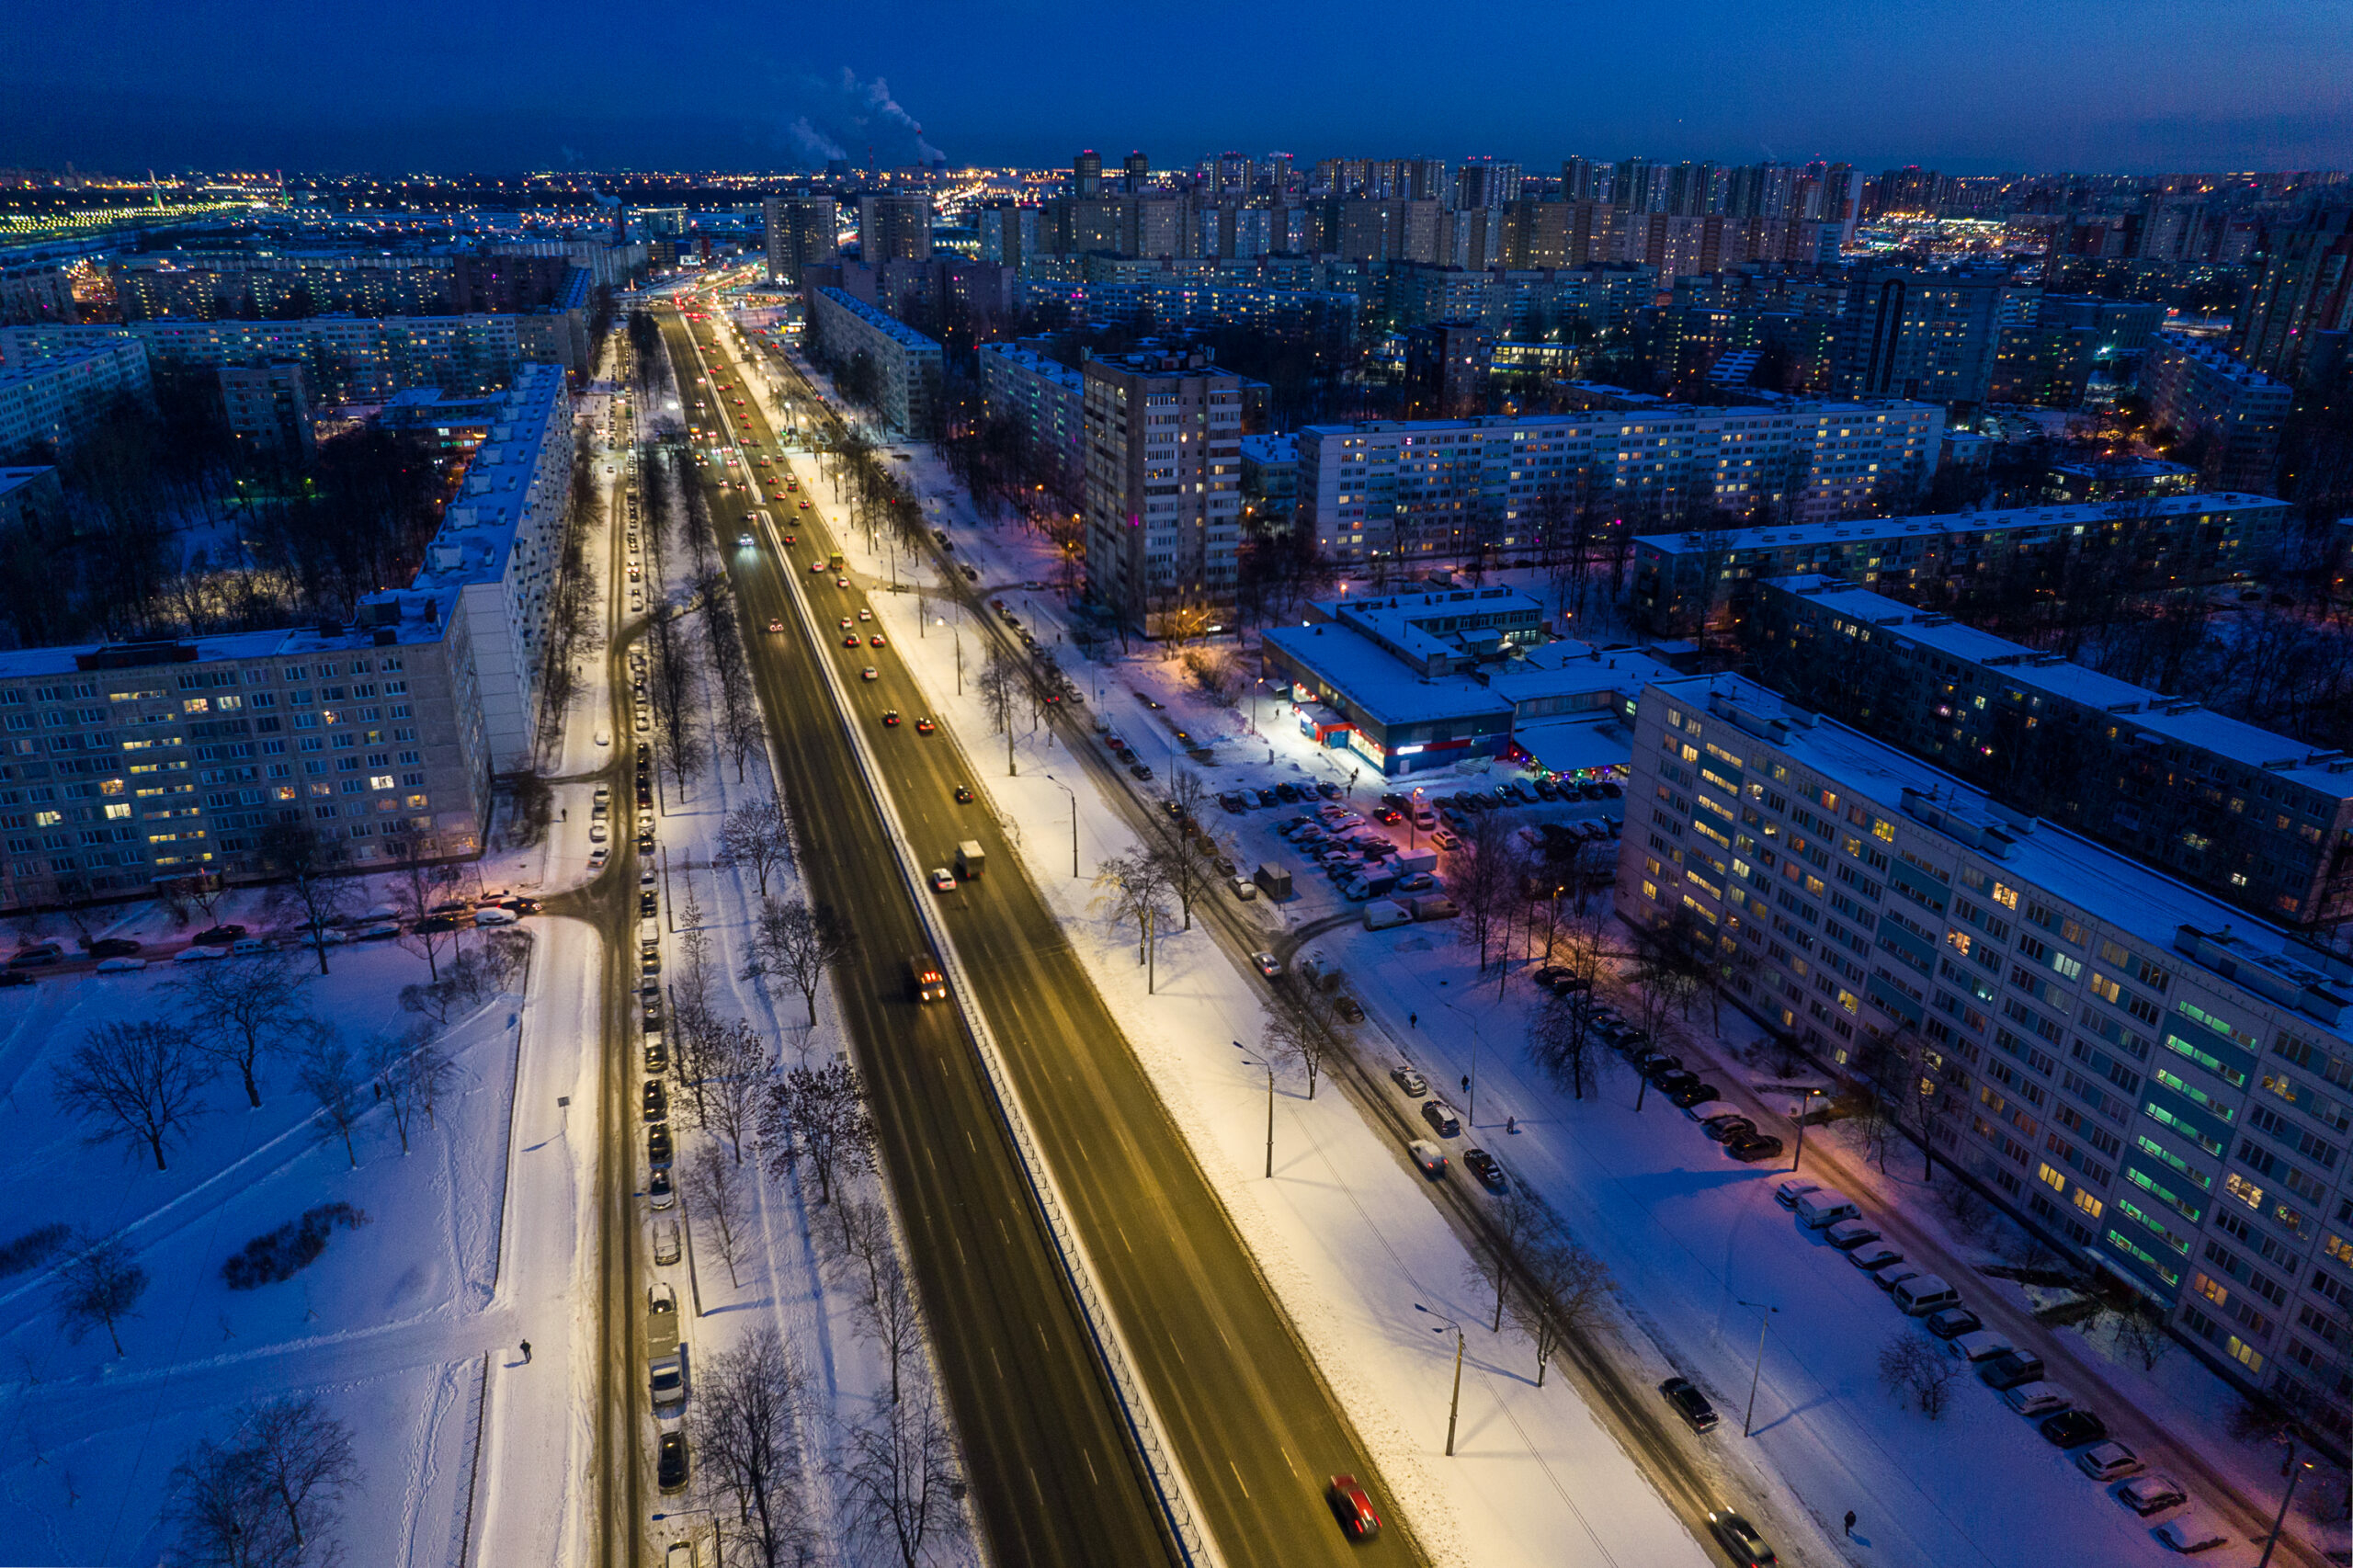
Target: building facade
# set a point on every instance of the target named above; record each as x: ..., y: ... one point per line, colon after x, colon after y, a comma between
x: 907, y: 365
x: 2150, y: 1076
x: 1924, y: 334
x: 48, y: 403
x: 1046, y: 400
x: 2229, y: 411
x: 268, y: 409
x: 1682, y: 578
x: 893, y: 228
x: 2256, y: 819
x: 801, y: 231
x: 1441, y: 490
x: 1163, y: 489
x: 345, y: 359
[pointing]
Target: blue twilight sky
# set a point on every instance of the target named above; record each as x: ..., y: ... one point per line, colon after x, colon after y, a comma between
x: 1968, y: 85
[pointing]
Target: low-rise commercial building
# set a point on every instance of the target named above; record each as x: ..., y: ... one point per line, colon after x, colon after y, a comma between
x: 48, y: 403
x: 2257, y: 819
x: 907, y: 366
x: 1681, y: 578
x: 2155, y: 1079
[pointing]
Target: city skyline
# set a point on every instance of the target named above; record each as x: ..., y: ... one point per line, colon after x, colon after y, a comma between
x: 2180, y: 90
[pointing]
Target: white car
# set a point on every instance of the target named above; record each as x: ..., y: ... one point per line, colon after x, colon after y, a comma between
x: 2106, y: 1462
x: 494, y: 916
x: 200, y: 955
x: 942, y: 879
x: 1268, y: 965
x: 596, y: 832
x: 245, y: 946
x: 596, y: 859
x: 1245, y: 889
x: 120, y: 966
x: 869, y: 673
x: 2037, y: 1399
x: 2190, y: 1532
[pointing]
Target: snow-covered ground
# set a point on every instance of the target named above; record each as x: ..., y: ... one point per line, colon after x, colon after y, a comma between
x: 1690, y: 1235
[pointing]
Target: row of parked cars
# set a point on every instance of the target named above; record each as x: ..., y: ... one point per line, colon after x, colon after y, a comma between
x: 123, y: 955
x: 2016, y: 1374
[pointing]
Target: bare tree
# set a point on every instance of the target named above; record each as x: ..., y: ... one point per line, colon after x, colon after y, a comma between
x: 1917, y: 1373
x: 748, y: 1405
x: 309, y: 869
x: 304, y: 1457
x: 798, y: 941
x: 888, y: 1314
x: 1187, y: 858
x: 1483, y: 876
x: 740, y: 728
x: 1305, y: 1029
x: 240, y: 1008
x: 100, y: 1283
x: 738, y: 1066
x: 1562, y: 1039
x: 418, y: 885
x: 1001, y: 684
x: 1136, y: 889
x: 710, y: 1180
x: 1513, y: 1222
x: 818, y: 1115
x: 427, y: 1072
x: 755, y: 835
x: 899, y: 1478
x: 136, y: 1083
x: 266, y: 1497
x: 331, y: 1074
x: 405, y: 1084
x: 2141, y: 1329
x: 1563, y: 1286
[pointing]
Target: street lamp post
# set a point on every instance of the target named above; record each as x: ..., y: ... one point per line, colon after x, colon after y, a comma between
x: 1270, y: 1105
x: 1747, y: 1419
x: 2295, y: 1473
x: 1804, y: 1106
x: 1454, y: 1404
x: 1074, y: 819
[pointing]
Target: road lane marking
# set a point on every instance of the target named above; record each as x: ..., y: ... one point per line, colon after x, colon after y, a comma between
x: 1237, y: 1477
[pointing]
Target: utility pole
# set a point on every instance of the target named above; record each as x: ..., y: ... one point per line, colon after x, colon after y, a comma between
x: 1747, y: 1420
x: 2294, y: 1472
x: 1803, y: 1106
x: 1454, y: 1404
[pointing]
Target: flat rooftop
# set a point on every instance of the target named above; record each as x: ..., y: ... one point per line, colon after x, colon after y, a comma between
x: 1377, y: 683
x: 477, y: 532
x: 1791, y: 536
x: 2112, y: 888
x: 881, y: 320
x: 2178, y: 720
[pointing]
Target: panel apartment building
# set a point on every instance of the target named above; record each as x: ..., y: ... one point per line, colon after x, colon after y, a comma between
x: 907, y: 365
x: 2146, y: 1073
x: 1437, y: 489
x: 47, y: 403
x: 2254, y: 818
x: 1046, y: 400
x: 2221, y: 403
x: 1936, y: 556
x: 1163, y: 489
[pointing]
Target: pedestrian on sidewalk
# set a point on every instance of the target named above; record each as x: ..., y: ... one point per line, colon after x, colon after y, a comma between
x: 1413, y: 1020
x: 1850, y: 1522
x: 527, y: 1361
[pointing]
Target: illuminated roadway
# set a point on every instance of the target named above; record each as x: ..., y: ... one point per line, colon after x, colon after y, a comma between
x: 1254, y: 1428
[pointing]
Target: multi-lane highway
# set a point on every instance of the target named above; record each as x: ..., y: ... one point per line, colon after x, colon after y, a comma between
x: 1241, y: 1404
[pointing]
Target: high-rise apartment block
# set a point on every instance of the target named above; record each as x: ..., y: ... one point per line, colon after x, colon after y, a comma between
x: 2303, y: 290
x: 1936, y: 559
x: 893, y: 228
x: 1437, y: 490
x: 907, y: 365
x: 48, y: 402
x: 1931, y: 335
x: 1046, y: 402
x: 1164, y: 488
x: 801, y: 231
x: 2153, y: 1077
x: 269, y: 408
x: 2229, y: 411
x: 2254, y: 818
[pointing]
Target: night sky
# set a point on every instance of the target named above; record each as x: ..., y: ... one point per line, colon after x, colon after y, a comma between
x: 1967, y: 85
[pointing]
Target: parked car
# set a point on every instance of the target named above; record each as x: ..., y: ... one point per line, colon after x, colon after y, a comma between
x: 1754, y: 1147
x: 2013, y: 1369
x: 113, y: 948
x: 2037, y: 1398
x: 221, y: 935
x: 1690, y: 1094
x: 39, y: 956
x: 1728, y: 1128
x: 198, y: 955
x: 2190, y: 1532
x: 2107, y: 1460
x: 1481, y: 1164
x: 670, y: 1463
x: 120, y: 966
x: 1689, y: 1403
x: 659, y: 1190
x: 1412, y: 1083
x: 1849, y: 1234
x: 1441, y: 1116
x: 2151, y: 1493
x: 2074, y: 1428
x: 1788, y: 1193
x: 1873, y: 1255
x: 656, y: 1101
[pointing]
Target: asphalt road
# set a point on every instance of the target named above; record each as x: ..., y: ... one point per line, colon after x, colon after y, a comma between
x: 1242, y: 1405
x: 1054, y: 1478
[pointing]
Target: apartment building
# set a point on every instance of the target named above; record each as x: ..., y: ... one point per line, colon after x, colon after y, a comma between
x: 1046, y: 402
x: 269, y: 408
x: 1163, y: 489
x: 800, y: 232
x: 497, y: 551
x: 1441, y: 489
x: 1927, y: 335
x: 893, y: 228
x: 2229, y: 411
x: 2147, y: 1074
x: 1678, y: 577
x: 907, y: 365
x: 128, y: 765
x: 2256, y: 819
x: 344, y: 359
x: 50, y: 403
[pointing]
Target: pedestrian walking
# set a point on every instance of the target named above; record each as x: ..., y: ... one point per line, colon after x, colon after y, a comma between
x: 1850, y: 1522
x: 527, y: 1361
x: 1413, y: 1020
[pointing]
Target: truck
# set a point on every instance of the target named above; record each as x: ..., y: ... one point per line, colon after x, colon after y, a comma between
x: 1273, y: 881
x: 1434, y: 906
x: 1419, y: 861
x: 1382, y: 913
x: 970, y: 860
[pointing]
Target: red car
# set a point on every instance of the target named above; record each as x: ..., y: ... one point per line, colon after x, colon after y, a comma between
x: 1354, y: 1509
x: 804, y: 502
x: 817, y: 566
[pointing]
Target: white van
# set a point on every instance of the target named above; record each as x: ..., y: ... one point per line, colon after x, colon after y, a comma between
x: 1382, y: 913
x: 1923, y: 1294
x: 1824, y: 1207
